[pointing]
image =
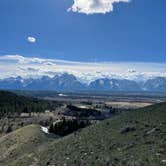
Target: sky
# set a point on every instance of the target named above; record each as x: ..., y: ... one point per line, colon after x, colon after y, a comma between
x: 133, y: 30
x: 88, y: 32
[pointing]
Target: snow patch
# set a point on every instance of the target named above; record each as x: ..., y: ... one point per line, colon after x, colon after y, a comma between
x: 101, y: 82
x: 45, y: 129
x: 62, y: 95
x: 163, y: 161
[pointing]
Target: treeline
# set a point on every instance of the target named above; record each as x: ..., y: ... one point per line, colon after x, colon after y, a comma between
x: 11, y: 104
x: 65, y: 127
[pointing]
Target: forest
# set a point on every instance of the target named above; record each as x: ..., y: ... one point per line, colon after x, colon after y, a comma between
x: 12, y: 104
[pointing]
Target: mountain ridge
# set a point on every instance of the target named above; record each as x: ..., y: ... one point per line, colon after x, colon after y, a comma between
x: 69, y: 82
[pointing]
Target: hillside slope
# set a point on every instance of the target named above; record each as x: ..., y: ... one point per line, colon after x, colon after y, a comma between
x: 20, y: 143
x: 135, y: 138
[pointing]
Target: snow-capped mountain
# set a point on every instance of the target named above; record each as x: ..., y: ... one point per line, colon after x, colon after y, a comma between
x: 157, y: 84
x: 62, y: 82
x: 69, y: 82
x: 114, y: 85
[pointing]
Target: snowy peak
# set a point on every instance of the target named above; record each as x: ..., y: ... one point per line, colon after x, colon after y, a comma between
x: 157, y: 84
x: 115, y: 85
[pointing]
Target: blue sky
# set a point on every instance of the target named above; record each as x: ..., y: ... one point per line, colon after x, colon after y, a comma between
x: 134, y: 31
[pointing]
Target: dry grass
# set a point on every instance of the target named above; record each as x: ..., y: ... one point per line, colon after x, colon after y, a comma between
x: 128, y: 105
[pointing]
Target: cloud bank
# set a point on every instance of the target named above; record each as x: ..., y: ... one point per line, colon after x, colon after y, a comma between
x: 94, y: 6
x: 16, y: 65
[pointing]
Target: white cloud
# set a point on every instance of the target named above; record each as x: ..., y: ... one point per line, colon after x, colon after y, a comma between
x: 31, y: 39
x: 94, y: 6
x: 17, y: 65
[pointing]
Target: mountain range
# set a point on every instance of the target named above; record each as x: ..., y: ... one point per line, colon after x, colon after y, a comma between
x: 69, y: 82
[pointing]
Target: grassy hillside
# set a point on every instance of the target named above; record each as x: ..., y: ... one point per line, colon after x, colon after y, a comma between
x: 135, y: 138
x: 21, y: 143
x: 11, y: 103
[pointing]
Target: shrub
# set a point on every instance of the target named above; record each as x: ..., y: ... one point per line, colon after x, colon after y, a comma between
x: 65, y: 127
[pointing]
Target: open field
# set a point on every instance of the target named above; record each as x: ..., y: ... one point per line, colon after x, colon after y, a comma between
x: 89, y: 99
x: 129, y: 105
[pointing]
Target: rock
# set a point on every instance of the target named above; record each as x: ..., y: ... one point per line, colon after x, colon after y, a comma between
x: 163, y: 161
x: 128, y: 146
x: 153, y: 130
x: 127, y: 129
